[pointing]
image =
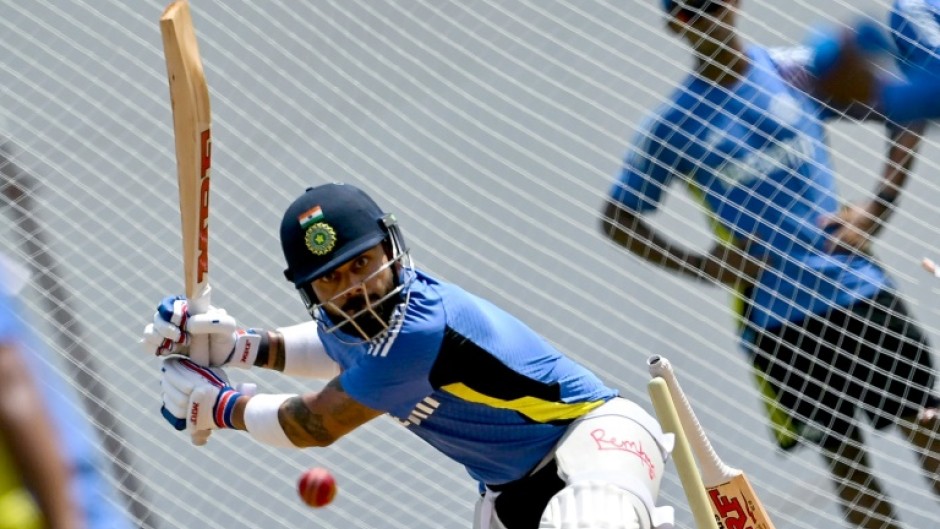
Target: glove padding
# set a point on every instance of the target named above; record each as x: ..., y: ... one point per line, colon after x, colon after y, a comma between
x: 198, y: 399
x: 173, y: 328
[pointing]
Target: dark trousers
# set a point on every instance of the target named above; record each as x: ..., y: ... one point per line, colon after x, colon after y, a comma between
x: 870, y: 356
x: 520, y: 503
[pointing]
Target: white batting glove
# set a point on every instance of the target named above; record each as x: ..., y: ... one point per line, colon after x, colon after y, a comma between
x: 198, y: 399
x: 173, y: 328
x: 201, y: 437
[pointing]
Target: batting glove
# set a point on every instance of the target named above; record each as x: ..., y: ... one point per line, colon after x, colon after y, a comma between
x: 198, y: 399
x: 173, y: 329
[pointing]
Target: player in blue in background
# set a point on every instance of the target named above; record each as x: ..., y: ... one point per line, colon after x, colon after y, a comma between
x: 818, y: 316
x: 916, y: 35
x: 547, y: 441
x: 52, y: 448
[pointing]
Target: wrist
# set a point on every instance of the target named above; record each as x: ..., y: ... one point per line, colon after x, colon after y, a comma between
x: 881, y: 207
x: 270, y: 351
x: 696, y: 266
x: 691, y: 263
x: 886, y: 198
x: 225, y: 407
x: 238, y: 412
x: 248, y: 344
x: 261, y: 417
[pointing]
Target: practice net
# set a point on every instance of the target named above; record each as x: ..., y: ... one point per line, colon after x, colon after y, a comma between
x: 493, y: 129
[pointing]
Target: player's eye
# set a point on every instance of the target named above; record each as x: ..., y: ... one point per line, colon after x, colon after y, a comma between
x: 361, y: 263
x: 332, y: 277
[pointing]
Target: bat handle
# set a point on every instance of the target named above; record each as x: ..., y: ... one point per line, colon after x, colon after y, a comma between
x: 199, y: 300
x: 688, y: 472
x: 199, y: 344
x: 714, y: 470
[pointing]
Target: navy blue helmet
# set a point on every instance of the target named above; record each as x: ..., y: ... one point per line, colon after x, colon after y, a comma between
x: 328, y: 226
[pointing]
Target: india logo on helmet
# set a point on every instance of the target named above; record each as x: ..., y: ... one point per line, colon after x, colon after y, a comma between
x: 321, y: 238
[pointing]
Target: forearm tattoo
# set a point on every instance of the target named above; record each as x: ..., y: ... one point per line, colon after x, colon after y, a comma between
x: 305, y: 426
x: 302, y: 425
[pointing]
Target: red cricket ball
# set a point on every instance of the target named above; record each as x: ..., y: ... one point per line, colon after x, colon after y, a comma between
x: 317, y: 487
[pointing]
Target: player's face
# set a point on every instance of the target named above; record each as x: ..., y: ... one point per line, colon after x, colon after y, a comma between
x: 356, y: 296
x: 706, y: 31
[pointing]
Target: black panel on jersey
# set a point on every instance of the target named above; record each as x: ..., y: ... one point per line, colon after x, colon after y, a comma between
x: 461, y: 360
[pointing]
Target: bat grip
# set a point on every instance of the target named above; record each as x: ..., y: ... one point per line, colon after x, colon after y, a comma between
x: 199, y: 300
x: 199, y: 344
x: 714, y: 470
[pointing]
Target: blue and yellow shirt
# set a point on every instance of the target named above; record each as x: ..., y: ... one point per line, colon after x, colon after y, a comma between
x: 470, y: 379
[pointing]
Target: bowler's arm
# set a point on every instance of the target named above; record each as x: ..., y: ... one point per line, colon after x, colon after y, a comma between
x: 724, y: 264
x: 628, y: 230
x: 902, y: 152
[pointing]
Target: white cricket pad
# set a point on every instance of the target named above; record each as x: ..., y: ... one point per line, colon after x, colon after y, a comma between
x: 613, y: 458
x: 594, y: 505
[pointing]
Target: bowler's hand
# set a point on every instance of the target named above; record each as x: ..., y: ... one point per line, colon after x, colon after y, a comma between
x: 930, y: 267
x: 850, y: 229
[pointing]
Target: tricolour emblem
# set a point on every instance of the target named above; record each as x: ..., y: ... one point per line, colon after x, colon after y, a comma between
x: 310, y: 216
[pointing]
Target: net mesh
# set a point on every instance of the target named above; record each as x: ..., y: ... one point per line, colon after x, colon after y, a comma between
x: 494, y: 130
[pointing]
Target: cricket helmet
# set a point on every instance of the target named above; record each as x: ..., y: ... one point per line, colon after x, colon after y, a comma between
x: 329, y: 225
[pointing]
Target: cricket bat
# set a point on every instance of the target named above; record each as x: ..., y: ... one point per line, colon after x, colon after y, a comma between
x: 189, y: 96
x: 682, y: 456
x: 733, y: 500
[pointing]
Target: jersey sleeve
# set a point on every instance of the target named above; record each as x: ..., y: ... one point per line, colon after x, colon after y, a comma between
x: 647, y: 169
x: 915, y: 28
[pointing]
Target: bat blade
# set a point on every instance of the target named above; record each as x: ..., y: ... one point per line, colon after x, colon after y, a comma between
x: 189, y: 96
x: 733, y: 499
x: 192, y: 129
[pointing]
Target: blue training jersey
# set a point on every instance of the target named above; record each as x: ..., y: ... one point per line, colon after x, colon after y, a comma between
x: 915, y: 27
x: 755, y: 153
x: 470, y: 379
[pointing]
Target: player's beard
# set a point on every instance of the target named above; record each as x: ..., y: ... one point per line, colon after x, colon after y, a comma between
x: 370, y: 320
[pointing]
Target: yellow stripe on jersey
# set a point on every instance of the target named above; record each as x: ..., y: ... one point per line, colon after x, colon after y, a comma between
x: 534, y: 408
x: 786, y: 432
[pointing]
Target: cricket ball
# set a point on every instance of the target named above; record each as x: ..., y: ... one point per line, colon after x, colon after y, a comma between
x: 317, y: 487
